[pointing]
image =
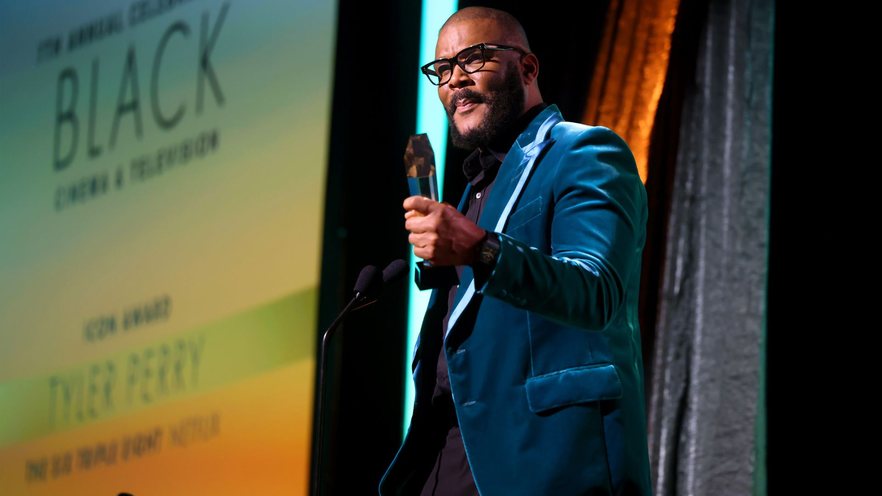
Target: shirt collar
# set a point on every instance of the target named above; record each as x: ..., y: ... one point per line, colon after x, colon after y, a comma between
x: 484, y: 162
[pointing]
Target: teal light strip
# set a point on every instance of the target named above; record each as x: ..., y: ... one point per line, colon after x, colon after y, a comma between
x: 432, y: 121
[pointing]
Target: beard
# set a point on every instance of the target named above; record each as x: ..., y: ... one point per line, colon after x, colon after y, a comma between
x: 505, y: 103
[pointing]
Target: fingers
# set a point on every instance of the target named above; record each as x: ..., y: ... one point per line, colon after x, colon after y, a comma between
x: 437, y: 231
x: 418, y: 224
x: 422, y: 240
x: 419, y: 203
x: 423, y: 224
x: 426, y: 253
x: 417, y: 220
x: 424, y: 245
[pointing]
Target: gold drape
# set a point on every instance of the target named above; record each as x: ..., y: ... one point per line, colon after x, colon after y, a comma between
x: 630, y: 71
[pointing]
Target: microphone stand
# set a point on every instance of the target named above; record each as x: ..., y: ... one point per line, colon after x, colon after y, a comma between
x: 370, y: 280
x: 367, y: 282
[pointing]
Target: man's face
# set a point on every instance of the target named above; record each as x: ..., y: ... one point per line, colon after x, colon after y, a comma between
x: 481, y: 105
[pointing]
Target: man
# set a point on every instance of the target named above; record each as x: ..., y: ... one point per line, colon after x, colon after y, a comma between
x: 528, y: 370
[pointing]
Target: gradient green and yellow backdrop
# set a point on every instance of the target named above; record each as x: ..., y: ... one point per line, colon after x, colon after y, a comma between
x: 157, y: 333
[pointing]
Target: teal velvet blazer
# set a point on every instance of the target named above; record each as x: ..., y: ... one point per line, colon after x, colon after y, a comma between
x: 544, y: 355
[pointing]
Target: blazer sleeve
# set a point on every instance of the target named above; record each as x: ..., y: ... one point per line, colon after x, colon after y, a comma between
x: 597, y: 233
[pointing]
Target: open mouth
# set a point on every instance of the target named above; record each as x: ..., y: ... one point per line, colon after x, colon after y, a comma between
x: 466, y: 106
x: 466, y: 103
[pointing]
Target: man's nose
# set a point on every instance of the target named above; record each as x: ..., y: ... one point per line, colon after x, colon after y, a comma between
x: 459, y: 77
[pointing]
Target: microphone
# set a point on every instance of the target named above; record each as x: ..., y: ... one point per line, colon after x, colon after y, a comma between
x: 368, y: 284
x: 394, y: 270
x: 366, y: 292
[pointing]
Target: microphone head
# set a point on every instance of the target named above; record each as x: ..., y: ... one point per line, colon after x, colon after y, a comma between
x: 394, y: 270
x: 369, y: 282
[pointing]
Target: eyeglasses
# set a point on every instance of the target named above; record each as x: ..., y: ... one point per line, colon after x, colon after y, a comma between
x: 469, y: 59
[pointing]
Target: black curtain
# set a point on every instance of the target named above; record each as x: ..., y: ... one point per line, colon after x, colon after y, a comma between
x: 372, y: 117
x: 707, y: 405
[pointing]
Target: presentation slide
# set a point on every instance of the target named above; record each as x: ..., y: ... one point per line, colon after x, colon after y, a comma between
x: 162, y: 178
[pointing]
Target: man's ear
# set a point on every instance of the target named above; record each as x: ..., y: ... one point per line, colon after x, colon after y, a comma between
x: 529, y: 68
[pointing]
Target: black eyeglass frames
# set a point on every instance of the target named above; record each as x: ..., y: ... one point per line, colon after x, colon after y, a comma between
x: 470, y: 59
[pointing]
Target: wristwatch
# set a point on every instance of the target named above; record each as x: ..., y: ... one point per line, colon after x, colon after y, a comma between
x: 488, y: 250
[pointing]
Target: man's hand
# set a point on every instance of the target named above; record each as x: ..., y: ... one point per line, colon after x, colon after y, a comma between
x: 439, y: 233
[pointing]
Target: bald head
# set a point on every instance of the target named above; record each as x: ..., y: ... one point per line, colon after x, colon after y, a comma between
x: 511, y: 27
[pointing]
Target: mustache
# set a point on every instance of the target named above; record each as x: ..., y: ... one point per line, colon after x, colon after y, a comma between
x: 464, y: 94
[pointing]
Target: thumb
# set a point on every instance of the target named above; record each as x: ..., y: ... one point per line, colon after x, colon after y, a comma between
x: 419, y: 203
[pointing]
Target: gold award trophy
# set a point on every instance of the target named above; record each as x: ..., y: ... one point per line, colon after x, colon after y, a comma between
x: 419, y: 162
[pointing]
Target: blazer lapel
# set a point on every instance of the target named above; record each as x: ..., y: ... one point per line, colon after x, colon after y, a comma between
x: 510, y: 181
